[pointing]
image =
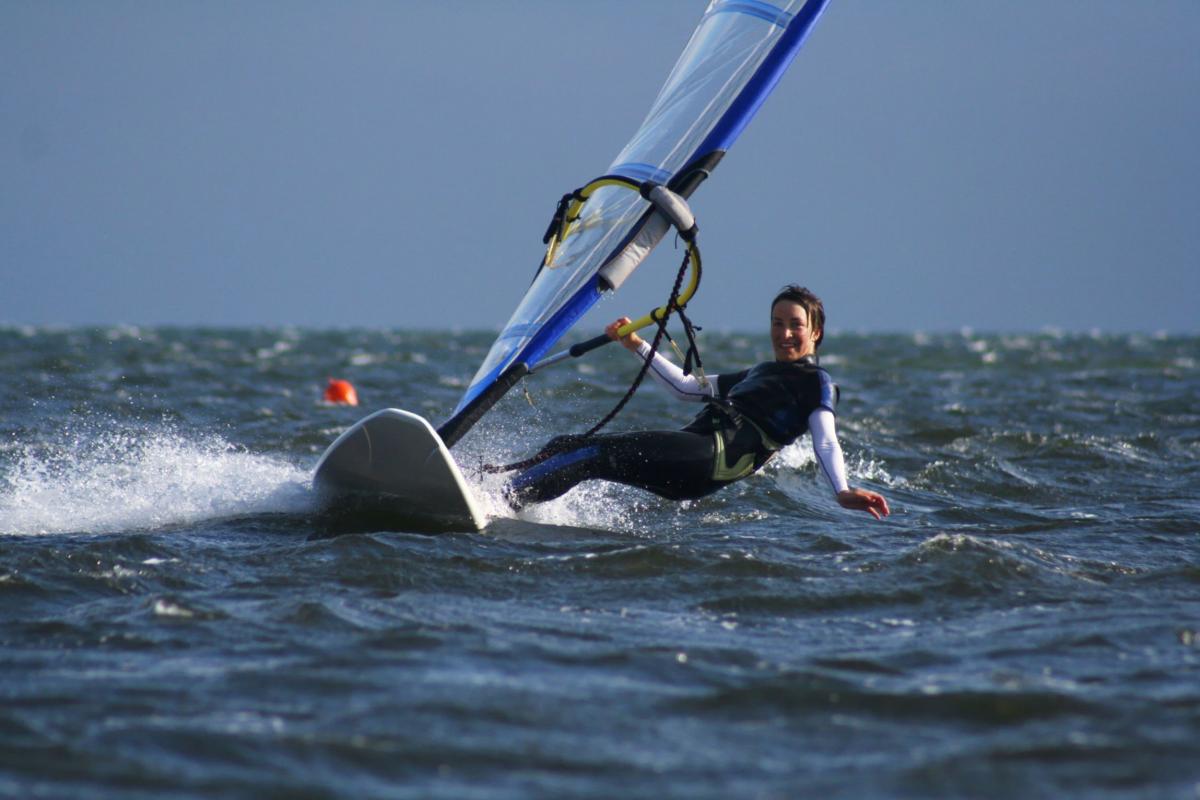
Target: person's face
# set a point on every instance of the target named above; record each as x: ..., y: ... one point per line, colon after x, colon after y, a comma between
x: 791, y: 338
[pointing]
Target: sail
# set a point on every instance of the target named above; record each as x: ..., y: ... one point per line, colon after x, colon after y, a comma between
x: 733, y: 60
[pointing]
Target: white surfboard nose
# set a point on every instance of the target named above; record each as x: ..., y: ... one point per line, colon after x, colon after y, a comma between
x: 394, y: 459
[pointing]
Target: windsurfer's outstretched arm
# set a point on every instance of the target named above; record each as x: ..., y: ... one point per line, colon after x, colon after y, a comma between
x: 829, y: 455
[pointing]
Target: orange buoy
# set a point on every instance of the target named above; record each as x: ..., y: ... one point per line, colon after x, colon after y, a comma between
x: 341, y: 393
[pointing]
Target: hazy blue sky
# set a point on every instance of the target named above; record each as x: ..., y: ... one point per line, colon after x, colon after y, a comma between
x: 923, y: 165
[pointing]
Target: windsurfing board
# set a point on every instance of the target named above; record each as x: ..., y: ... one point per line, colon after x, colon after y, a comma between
x: 394, y: 461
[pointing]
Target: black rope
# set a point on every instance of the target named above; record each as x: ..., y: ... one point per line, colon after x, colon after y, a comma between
x: 562, y: 444
x: 658, y: 335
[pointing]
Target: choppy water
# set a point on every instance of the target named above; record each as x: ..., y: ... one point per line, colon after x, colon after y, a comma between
x: 175, y: 620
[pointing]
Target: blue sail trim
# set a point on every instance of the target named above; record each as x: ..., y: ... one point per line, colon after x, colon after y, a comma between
x: 754, y: 93
x: 755, y: 8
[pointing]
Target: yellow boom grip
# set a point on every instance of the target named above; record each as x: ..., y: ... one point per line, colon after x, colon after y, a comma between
x: 684, y: 296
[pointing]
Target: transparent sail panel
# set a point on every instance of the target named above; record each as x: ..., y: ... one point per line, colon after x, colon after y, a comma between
x: 722, y: 56
x: 724, y: 53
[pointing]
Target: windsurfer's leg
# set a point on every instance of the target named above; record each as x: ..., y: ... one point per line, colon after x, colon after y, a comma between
x: 673, y: 464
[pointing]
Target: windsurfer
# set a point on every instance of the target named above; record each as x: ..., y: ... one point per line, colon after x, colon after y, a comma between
x: 748, y: 417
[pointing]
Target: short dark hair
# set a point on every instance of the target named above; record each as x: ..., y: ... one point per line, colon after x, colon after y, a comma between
x: 811, y: 304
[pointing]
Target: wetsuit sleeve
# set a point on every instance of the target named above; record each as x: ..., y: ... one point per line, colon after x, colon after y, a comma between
x: 828, y: 392
x: 671, y: 378
x: 827, y: 448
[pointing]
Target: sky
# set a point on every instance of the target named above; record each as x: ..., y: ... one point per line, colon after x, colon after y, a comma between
x: 923, y: 166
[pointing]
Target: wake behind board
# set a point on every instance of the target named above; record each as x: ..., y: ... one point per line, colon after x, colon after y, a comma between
x: 393, y: 464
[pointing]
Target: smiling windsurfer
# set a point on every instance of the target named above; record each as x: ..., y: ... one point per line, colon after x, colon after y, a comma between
x: 748, y: 417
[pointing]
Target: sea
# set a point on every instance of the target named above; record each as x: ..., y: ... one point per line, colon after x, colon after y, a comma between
x: 180, y: 618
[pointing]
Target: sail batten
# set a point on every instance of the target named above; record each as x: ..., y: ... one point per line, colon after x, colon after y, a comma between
x: 641, y: 172
x: 734, y: 58
x: 764, y: 11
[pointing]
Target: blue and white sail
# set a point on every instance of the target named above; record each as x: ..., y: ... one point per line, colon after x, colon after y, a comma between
x: 733, y: 60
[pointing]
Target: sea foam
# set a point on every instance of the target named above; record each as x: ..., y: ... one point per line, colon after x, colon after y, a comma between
x: 114, y: 478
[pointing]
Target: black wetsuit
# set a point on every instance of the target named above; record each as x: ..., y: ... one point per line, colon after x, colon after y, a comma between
x: 755, y: 413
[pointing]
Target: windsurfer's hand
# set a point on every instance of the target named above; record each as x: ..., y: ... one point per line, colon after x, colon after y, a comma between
x: 630, y: 341
x: 862, y: 500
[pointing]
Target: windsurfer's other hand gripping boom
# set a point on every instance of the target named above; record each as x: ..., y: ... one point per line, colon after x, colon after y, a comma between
x: 630, y: 341
x: 748, y: 417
